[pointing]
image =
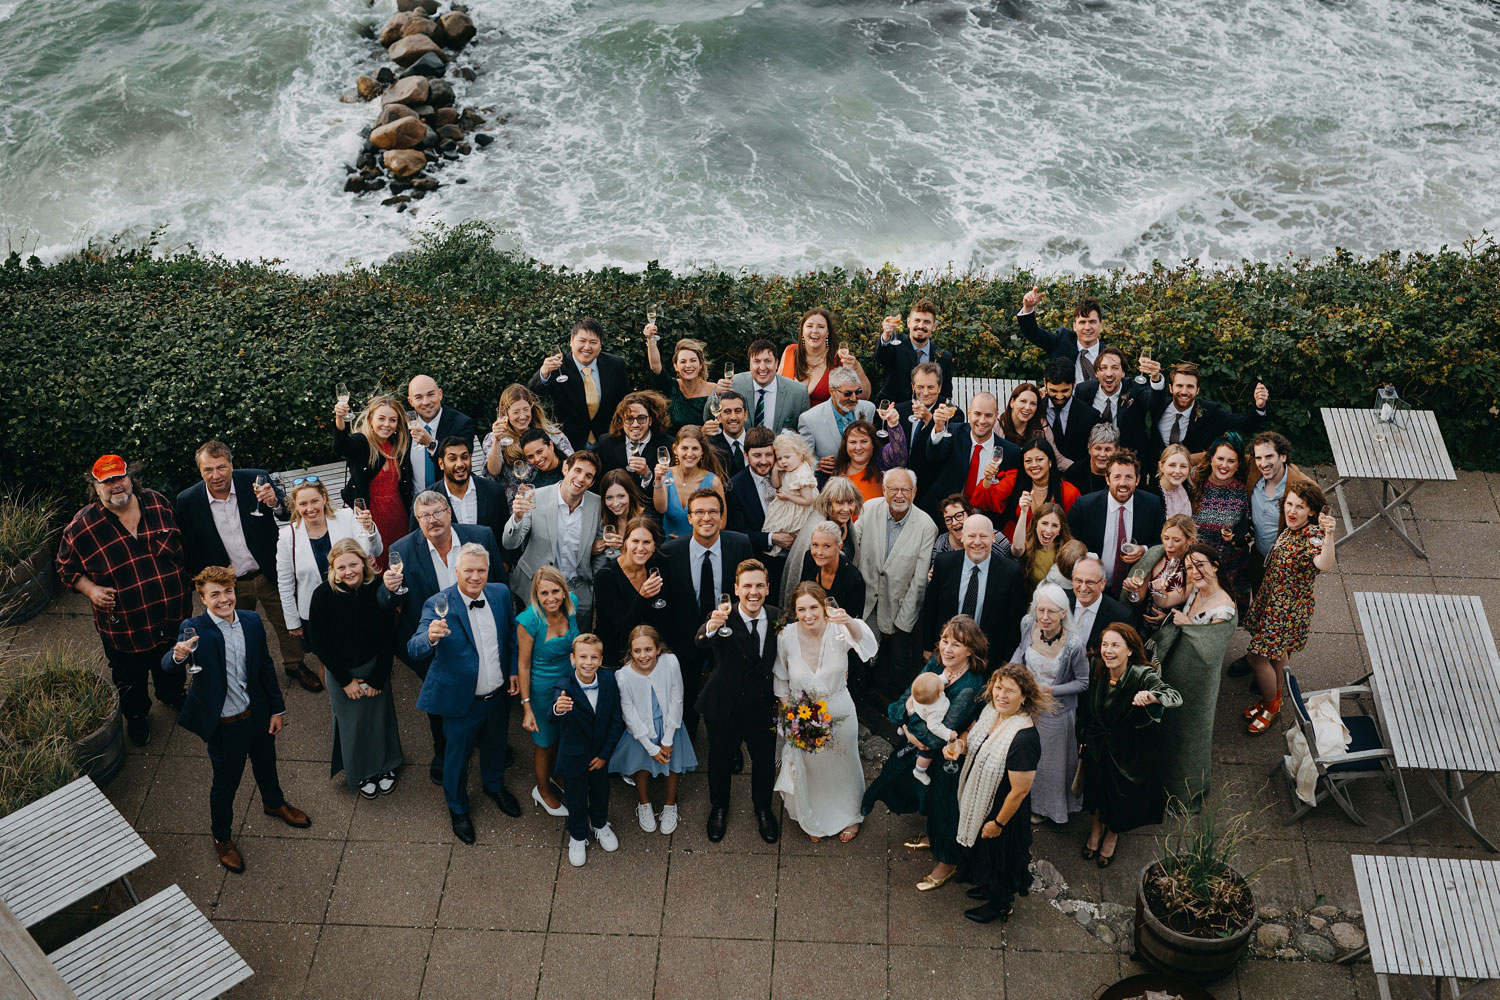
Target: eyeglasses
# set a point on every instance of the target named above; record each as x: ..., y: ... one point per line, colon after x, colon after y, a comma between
x: 958, y: 518
x: 637, y: 420
x: 304, y: 479
x: 436, y: 515
x: 900, y: 490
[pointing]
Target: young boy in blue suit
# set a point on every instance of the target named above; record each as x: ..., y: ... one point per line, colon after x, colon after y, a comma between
x: 589, y: 726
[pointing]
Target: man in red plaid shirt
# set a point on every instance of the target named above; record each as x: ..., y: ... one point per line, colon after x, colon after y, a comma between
x: 124, y: 553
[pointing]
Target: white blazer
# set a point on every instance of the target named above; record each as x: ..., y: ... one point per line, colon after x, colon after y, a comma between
x: 894, y: 584
x: 297, y: 573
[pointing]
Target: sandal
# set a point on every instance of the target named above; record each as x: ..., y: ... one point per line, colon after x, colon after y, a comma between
x: 1252, y: 709
x: 1264, y: 719
x: 848, y: 834
x: 917, y: 844
x: 929, y: 883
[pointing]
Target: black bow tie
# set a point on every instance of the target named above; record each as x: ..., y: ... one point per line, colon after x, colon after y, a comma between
x: 476, y: 604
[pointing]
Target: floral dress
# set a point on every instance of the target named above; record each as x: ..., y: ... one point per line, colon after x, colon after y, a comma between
x: 1281, y: 616
x: 1227, y: 505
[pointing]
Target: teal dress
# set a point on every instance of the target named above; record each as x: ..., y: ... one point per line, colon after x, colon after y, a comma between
x: 675, y: 521
x: 551, y: 660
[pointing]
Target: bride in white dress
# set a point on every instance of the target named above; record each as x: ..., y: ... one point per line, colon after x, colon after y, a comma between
x: 822, y: 790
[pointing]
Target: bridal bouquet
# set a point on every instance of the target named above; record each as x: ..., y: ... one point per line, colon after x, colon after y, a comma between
x: 805, y: 723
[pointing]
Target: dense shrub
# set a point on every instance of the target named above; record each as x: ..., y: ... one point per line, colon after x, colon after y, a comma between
x: 149, y: 353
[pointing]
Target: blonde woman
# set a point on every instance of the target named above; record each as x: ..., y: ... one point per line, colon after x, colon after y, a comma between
x: 518, y: 412
x: 544, y: 638
x: 354, y: 643
x: 689, y: 386
x: 379, y: 456
x: 304, y: 547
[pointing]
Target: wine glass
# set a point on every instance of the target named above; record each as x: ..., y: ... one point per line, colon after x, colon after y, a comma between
x: 341, y: 393
x: 729, y: 370
x: 660, y: 601
x: 560, y: 375
x: 664, y: 457
x: 440, y: 605
x: 393, y: 560
x: 361, y: 506
x: 831, y: 605
x: 726, y: 606
x: 1141, y: 379
x: 651, y: 313
x: 715, y: 405
x: 880, y: 409
x: 1129, y: 547
x: 190, y: 636
x: 611, y: 542
x: 260, y: 480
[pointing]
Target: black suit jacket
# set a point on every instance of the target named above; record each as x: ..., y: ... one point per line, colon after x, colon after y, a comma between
x: 1208, y: 421
x: 738, y: 684
x: 585, y: 732
x: 492, y: 509
x: 727, y: 457
x: 1135, y: 402
x: 568, y: 406
x: 1004, y: 602
x: 1086, y: 521
x: 947, y: 464
x: 204, y: 705
x: 420, y: 581
x: 1110, y: 612
x: 897, y: 362
x: 682, y: 586
x: 201, y: 544
x: 1075, y: 439
x: 611, y: 452
x: 1059, y: 343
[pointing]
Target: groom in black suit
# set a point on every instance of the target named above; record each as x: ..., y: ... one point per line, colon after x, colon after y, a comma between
x: 737, y: 701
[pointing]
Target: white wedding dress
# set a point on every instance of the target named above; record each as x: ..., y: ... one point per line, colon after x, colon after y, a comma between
x: 822, y: 790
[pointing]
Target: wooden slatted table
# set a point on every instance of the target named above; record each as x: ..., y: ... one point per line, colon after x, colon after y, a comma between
x: 965, y: 389
x: 1367, y: 451
x: 25, y: 973
x: 1436, y: 918
x: 164, y: 948
x: 1436, y: 681
x: 60, y: 848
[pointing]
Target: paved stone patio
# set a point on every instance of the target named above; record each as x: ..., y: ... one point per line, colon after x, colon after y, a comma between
x: 378, y: 900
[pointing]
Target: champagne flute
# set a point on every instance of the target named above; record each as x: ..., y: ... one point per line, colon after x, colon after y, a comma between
x: 560, y: 375
x: 880, y: 409
x: 361, y: 506
x: 651, y: 313
x: 726, y: 606
x: 1141, y: 379
x: 393, y: 560
x: 260, y: 480
x: 829, y: 604
x: 664, y: 457
x: 440, y: 605
x: 729, y: 370
x: 715, y: 405
x: 611, y: 542
x: 190, y: 636
x: 341, y: 393
x: 660, y: 601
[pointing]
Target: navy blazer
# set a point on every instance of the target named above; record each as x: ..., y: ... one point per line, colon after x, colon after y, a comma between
x: 491, y: 510
x: 585, y: 732
x: 899, y: 360
x: 1209, y: 420
x: 946, y: 463
x: 453, y: 664
x: 201, y: 544
x: 746, y: 510
x: 1004, y: 600
x: 682, y: 586
x: 420, y: 581
x: 204, y: 706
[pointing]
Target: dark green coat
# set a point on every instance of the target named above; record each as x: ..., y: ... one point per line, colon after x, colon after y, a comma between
x: 1121, y: 746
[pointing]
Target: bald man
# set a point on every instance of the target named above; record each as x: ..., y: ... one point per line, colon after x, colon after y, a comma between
x: 433, y: 422
x: 957, y: 454
x: 976, y: 582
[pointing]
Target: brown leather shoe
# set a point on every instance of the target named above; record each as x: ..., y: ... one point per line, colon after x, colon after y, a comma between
x: 305, y: 677
x: 290, y: 815
x: 229, y: 855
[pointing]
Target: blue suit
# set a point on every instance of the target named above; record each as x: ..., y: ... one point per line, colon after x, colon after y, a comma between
x: 450, y: 690
x: 584, y: 733
x: 231, y: 742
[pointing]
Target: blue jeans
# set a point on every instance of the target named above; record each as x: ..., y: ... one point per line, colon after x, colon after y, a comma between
x: 485, y: 723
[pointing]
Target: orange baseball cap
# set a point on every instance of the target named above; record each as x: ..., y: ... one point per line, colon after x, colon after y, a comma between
x: 108, y: 467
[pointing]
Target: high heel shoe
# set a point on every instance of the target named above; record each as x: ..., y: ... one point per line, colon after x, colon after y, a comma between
x: 536, y: 796
x: 929, y: 883
x: 1089, y: 853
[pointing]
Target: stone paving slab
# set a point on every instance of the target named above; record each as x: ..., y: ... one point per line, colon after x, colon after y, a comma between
x: 378, y: 900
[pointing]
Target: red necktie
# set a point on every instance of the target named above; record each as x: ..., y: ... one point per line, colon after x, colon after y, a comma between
x: 974, y: 470
x: 1117, y: 572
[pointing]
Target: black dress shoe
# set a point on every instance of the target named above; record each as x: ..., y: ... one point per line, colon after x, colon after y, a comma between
x: 770, y: 830
x: 506, y: 801
x: 986, y: 913
x: 435, y: 769
x: 737, y: 766
x: 463, y: 827
x: 975, y: 892
x: 718, y: 821
x: 139, y: 730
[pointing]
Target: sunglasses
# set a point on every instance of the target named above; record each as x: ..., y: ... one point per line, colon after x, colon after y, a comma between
x: 304, y: 479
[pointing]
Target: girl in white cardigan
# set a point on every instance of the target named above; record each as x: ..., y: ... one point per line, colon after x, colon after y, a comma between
x: 651, y: 696
x: 302, y: 550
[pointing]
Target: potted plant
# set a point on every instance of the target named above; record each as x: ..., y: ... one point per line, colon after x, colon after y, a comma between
x: 59, y: 695
x: 28, y: 576
x: 1194, y: 908
x: 30, y: 771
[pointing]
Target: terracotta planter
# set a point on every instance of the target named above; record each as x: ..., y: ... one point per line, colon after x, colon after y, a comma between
x: 101, y: 754
x: 28, y: 586
x: 1202, y: 960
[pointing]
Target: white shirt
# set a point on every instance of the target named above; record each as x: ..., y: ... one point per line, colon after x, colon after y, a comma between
x: 569, y: 537
x: 1111, y: 521
x: 986, y: 452
x: 1169, y: 417
x: 1100, y: 398
x: 1083, y: 617
x: 486, y: 645
x: 466, y: 507
x: 236, y: 691
x: 590, y: 691
x: 226, y: 514
x: 770, y: 403
x: 732, y: 441
x: 419, y: 455
x: 445, y: 569
x: 760, y: 625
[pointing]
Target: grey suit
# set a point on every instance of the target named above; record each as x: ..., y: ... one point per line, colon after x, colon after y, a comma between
x: 537, y: 534
x: 894, y: 584
x: 820, y: 429
x: 791, y: 401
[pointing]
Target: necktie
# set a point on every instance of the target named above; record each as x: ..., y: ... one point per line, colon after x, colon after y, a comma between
x: 590, y: 396
x: 590, y: 687
x: 1176, y: 437
x: 1057, y: 423
x: 1109, y: 411
x: 760, y: 407
x: 1086, y: 365
x: 427, y: 459
x: 971, y: 594
x: 1118, y: 572
x: 843, y: 420
x: 738, y: 462
x: 473, y: 605
x: 755, y: 634
x: 974, y: 467
x: 706, y: 588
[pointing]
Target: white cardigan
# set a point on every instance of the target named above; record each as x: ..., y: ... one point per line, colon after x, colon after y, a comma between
x: 297, y: 573
x: 635, y: 701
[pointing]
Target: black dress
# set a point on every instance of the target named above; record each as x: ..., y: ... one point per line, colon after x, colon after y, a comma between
x: 619, y: 607
x: 1001, y: 866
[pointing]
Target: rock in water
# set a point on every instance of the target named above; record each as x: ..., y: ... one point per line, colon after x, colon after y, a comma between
x: 367, y: 87
x: 440, y: 94
x: 459, y: 28
x: 411, y: 92
x: 411, y: 48
x: 416, y: 25
x: 355, y: 184
x: 403, y: 133
x: 391, y: 112
x: 431, y: 64
x: 444, y: 116
x: 450, y: 132
x: 395, y: 28
x: 481, y: 139
x: 404, y: 162
x: 425, y: 183
x: 426, y: 6
x: 466, y: 73
x: 385, y: 76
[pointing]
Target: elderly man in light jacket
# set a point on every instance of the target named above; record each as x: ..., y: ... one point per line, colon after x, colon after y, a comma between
x: 893, y: 550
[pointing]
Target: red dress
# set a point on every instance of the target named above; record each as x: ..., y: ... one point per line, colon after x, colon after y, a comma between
x: 392, y: 518
x: 818, y: 393
x: 1003, y: 497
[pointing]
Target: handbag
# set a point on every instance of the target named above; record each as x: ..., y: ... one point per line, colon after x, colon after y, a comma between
x: 1077, y: 787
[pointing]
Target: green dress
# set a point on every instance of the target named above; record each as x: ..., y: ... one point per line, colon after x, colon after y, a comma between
x: 681, y: 410
x: 1121, y: 746
x: 551, y: 661
x: 1191, y: 658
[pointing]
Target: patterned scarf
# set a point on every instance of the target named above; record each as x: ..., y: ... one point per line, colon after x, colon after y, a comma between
x: 984, y: 769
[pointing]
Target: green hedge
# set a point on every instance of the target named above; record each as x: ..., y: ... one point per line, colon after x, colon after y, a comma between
x: 149, y: 353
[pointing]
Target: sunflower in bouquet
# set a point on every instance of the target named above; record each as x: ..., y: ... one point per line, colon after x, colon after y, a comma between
x: 805, y: 723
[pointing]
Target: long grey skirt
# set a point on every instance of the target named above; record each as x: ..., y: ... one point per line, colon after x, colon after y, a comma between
x: 365, y: 739
x: 1051, y: 793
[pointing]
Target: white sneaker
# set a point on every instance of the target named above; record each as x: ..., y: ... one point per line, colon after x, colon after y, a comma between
x: 920, y: 773
x: 668, y: 819
x: 628, y: 780
x: 646, y: 817
x: 387, y: 782
x: 606, y: 838
x: 577, y: 852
